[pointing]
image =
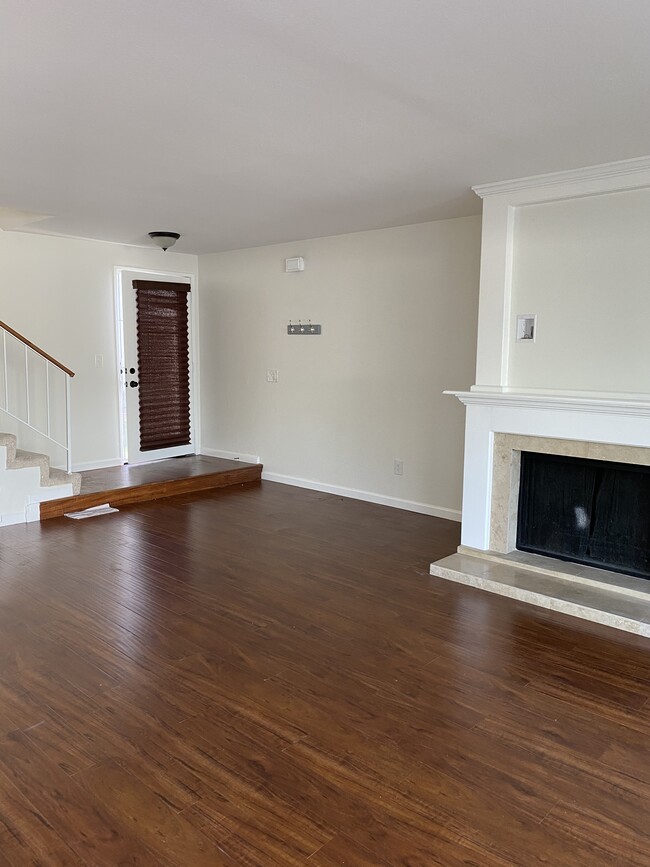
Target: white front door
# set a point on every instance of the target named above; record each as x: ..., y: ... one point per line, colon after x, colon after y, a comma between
x: 134, y: 394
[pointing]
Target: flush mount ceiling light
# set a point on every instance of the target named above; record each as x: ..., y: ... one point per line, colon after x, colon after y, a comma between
x: 164, y: 239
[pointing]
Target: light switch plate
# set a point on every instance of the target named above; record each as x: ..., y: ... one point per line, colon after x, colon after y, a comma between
x: 526, y: 328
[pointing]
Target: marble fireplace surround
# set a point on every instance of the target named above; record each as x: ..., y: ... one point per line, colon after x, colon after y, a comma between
x: 506, y: 463
x: 498, y: 426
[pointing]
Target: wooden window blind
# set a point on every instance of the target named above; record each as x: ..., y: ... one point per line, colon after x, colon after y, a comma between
x: 163, y: 363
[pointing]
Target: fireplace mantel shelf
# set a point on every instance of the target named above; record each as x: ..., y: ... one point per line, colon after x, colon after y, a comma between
x: 567, y: 403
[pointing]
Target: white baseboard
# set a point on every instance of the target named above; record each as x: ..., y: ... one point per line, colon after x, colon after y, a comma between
x: 33, y: 511
x: 97, y: 465
x: 10, y: 518
x: 231, y: 456
x: 368, y: 496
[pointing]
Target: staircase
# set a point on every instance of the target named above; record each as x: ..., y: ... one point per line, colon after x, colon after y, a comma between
x: 35, y: 408
x: 27, y: 480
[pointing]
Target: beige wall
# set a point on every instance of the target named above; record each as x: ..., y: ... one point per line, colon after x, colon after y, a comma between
x: 583, y: 265
x: 59, y: 293
x: 398, y: 309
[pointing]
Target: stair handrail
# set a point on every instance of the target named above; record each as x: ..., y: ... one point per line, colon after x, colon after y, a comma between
x: 36, y: 348
x: 28, y: 346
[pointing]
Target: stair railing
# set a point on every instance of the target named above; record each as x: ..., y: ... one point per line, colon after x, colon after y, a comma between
x: 36, y: 390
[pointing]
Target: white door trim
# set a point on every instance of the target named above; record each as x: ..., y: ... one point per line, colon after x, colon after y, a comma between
x: 195, y: 420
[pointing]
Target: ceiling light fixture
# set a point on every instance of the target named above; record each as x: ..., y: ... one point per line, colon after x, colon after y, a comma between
x: 164, y: 239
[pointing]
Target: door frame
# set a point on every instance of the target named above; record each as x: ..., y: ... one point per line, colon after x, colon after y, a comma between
x: 172, y: 276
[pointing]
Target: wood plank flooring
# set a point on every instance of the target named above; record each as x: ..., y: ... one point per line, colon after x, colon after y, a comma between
x: 139, y: 483
x: 269, y: 676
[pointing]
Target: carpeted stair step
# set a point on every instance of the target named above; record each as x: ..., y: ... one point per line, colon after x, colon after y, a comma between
x: 50, y: 477
x: 60, y: 477
x: 24, y: 459
x: 9, y: 442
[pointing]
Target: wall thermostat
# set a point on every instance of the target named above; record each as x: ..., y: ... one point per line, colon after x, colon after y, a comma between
x: 292, y: 265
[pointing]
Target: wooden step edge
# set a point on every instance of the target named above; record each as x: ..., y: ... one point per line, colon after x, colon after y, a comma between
x: 151, y: 491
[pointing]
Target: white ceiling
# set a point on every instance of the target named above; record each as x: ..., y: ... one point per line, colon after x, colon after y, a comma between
x: 247, y: 122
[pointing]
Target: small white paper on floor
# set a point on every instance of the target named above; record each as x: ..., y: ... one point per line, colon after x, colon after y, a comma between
x: 105, y: 509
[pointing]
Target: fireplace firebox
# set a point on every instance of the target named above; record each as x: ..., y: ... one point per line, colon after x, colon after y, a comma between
x: 586, y: 511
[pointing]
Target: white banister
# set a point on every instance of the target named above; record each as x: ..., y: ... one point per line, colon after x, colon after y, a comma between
x: 26, y: 382
x: 47, y: 397
x: 4, y: 351
x: 68, y: 432
x: 33, y: 411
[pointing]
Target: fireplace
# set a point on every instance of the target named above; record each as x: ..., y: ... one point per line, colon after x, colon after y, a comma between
x: 571, y: 551
x: 593, y: 512
x: 553, y: 245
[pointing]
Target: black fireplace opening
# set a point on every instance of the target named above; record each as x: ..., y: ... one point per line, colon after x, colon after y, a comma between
x: 585, y: 511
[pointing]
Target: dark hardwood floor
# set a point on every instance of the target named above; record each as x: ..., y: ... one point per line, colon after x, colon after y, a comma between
x: 269, y: 676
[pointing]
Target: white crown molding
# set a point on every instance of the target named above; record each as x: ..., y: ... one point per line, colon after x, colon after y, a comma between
x: 525, y: 400
x: 625, y: 170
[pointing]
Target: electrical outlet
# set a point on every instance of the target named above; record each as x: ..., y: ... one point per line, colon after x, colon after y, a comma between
x: 398, y: 467
x: 99, y: 361
x: 272, y: 375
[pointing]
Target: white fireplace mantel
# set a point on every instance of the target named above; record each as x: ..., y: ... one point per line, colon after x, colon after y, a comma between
x: 500, y: 425
x: 622, y: 421
x: 629, y: 405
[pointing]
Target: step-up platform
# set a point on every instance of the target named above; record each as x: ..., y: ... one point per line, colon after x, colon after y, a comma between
x: 27, y: 480
x: 139, y: 483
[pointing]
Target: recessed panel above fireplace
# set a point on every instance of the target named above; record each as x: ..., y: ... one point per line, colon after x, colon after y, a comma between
x: 586, y: 511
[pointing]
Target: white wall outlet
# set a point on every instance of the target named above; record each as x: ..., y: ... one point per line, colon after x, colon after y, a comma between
x: 99, y: 361
x: 398, y: 467
x: 272, y: 375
